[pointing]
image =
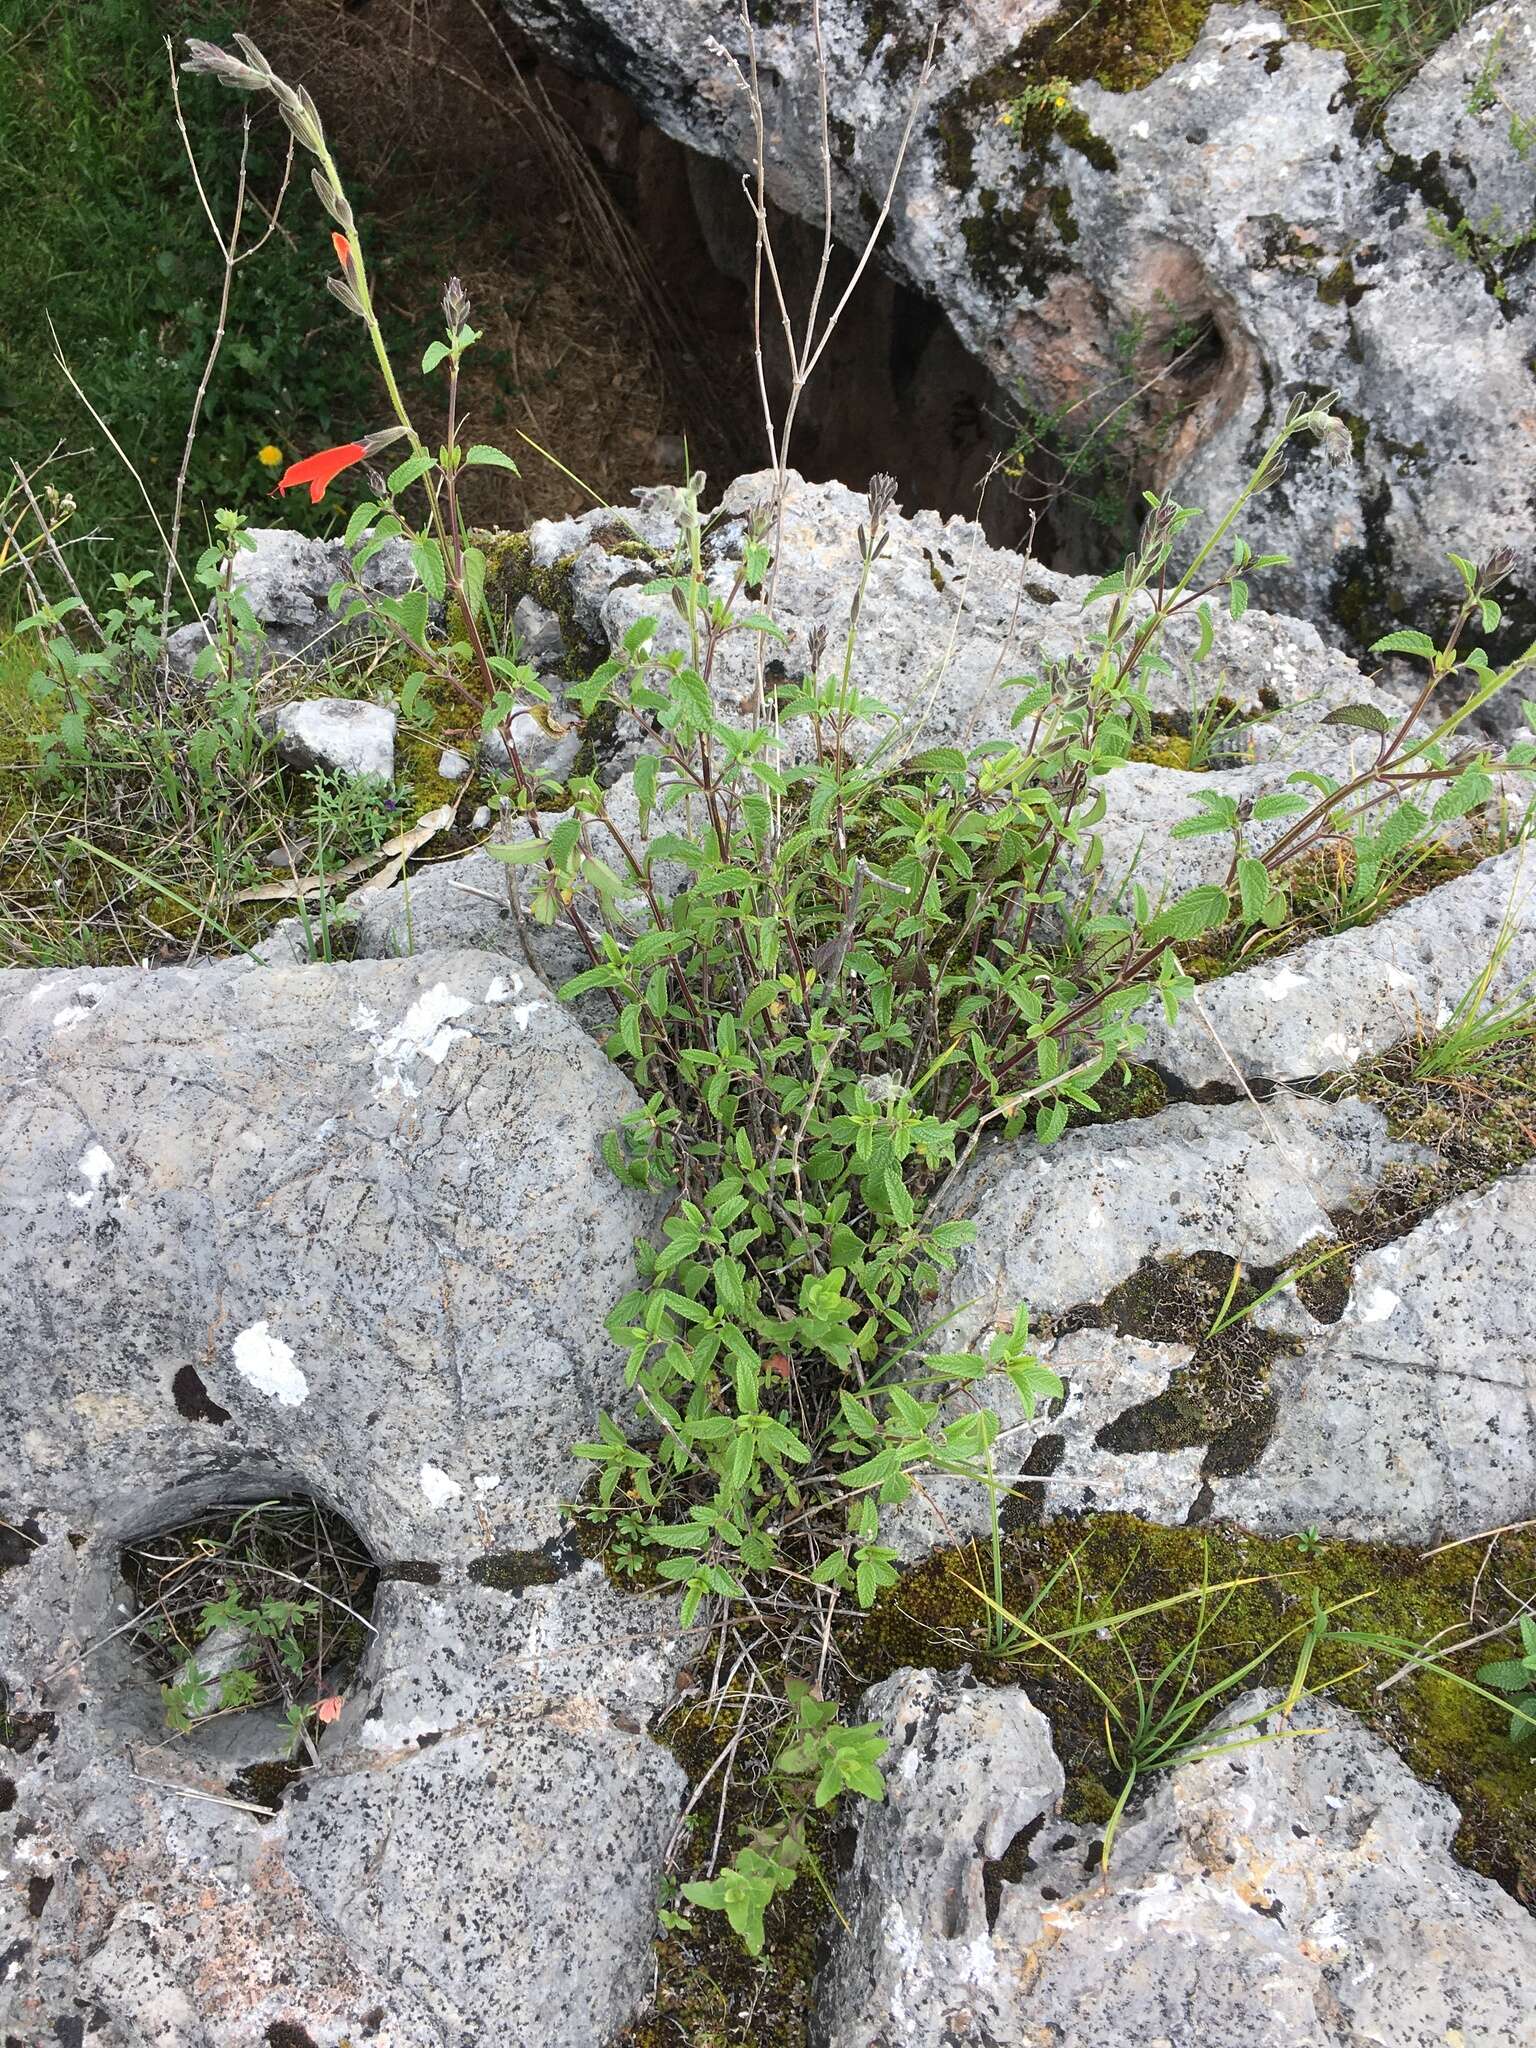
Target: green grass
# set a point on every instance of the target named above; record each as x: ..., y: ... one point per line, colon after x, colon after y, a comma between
x: 106, y: 236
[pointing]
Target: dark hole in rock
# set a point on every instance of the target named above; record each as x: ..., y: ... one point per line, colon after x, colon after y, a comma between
x: 288, y: 2034
x: 250, y: 1618
x: 1014, y: 1864
x: 638, y: 335
x: 264, y: 1784
x: 193, y: 1400
x: 7, y: 1794
x: 413, y: 1571
x: 21, y: 1732
x: 39, y: 1891
x: 18, y: 1539
x: 512, y: 1571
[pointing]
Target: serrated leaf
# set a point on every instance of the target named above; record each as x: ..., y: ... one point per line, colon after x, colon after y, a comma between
x: 1363, y: 717
x: 1199, y: 910
x: 1253, y: 886
x: 427, y: 561
x: 1405, y: 641
x: 482, y: 456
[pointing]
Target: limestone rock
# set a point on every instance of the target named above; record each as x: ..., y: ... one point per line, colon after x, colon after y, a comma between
x: 1346, y: 997
x: 343, y: 1231
x: 1233, y: 198
x: 1413, y: 1418
x: 1062, y: 1226
x: 968, y: 1769
x: 342, y: 734
x: 286, y: 578
x: 1296, y: 1891
x: 479, y: 1842
x: 360, y: 1209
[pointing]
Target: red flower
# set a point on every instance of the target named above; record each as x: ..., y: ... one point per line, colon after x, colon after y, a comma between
x: 318, y: 470
x: 343, y: 250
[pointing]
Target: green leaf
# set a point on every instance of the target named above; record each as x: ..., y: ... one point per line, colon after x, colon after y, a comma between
x: 1253, y: 886
x: 1364, y: 717
x: 1207, y: 632
x: 1237, y: 603
x: 427, y: 561
x: 436, y: 352
x: 1279, y: 803
x: 1199, y: 910
x: 1406, y: 641
x: 481, y: 456
x: 413, y: 467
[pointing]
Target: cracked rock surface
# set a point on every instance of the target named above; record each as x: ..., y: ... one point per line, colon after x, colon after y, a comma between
x: 342, y: 1231
x: 1299, y: 1893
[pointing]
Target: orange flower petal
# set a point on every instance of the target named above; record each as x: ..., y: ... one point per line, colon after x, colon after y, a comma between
x: 343, y: 250
x: 318, y: 470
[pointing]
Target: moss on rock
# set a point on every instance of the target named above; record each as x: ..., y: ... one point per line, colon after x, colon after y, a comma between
x: 1069, y: 1571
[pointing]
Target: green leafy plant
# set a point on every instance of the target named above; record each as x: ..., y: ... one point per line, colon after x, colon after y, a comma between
x: 252, y: 1607
x: 1516, y: 1676
x: 819, y: 1763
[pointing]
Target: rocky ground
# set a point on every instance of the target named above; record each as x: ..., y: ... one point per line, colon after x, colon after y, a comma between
x: 1177, y: 216
x: 344, y: 1229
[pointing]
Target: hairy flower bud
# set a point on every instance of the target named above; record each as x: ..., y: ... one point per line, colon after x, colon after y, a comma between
x: 455, y: 305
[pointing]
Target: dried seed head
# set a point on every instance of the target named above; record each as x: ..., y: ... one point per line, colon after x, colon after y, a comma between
x: 212, y: 62
x: 1498, y: 566
x: 816, y: 647
x: 882, y: 500
x: 1337, y: 444
x: 455, y: 305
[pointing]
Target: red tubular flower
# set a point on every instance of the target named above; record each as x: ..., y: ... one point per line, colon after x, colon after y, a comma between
x: 343, y: 250
x: 318, y: 470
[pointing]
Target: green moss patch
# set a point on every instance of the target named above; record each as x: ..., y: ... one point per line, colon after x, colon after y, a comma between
x: 1070, y: 1571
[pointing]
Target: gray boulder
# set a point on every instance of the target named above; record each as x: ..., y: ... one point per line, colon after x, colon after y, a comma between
x: 345, y: 1232
x: 1413, y: 1418
x: 1231, y: 215
x: 286, y: 578
x: 344, y: 735
x: 968, y: 1770
x: 1354, y: 994
x: 1300, y: 1891
x: 293, y: 1194
x: 477, y: 1845
x: 1061, y: 1227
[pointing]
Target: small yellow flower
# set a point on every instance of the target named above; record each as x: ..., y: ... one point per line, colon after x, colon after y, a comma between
x: 269, y: 457
x: 1060, y: 100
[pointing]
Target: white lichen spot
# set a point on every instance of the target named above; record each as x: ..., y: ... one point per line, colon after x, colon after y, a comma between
x: 267, y: 1362
x: 425, y: 1032
x: 364, y: 1019
x: 96, y: 1168
x: 498, y: 992
x: 1285, y: 983
x: 251, y: 1141
x: 1396, y: 978
x: 1378, y: 1305
x: 487, y: 1482
x: 438, y: 1487
x: 77, y: 1012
